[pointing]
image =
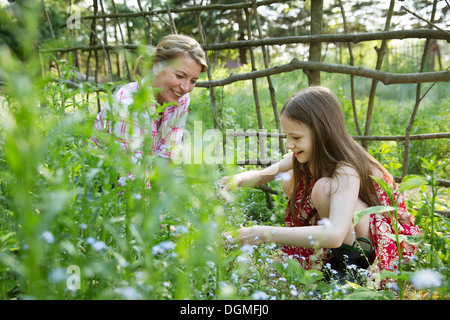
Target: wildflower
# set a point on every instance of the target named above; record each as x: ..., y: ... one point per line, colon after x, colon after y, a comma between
x: 247, y: 248
x: 352, y: 267
x: 48, y: 237
x: 426, y: 279
x: 324, y: 222
x: 392, y: 286
x: 128, y: 293
x: 137, y: 196
x: 260, y: 295
x: 234, y: 277
x: 57, y: 275
x: 163, y: 247
x: 122, y: 181
x: 283, y: 176
x: 99, y: 245
x: 243, y: 258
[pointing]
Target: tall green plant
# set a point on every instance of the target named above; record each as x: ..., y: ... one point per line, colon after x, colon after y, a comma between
x: 408, y: 183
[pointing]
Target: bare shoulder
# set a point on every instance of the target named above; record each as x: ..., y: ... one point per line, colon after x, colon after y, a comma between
x: 344, y: 168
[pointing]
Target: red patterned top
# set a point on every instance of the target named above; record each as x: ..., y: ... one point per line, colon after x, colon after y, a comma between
x: 381, y: 227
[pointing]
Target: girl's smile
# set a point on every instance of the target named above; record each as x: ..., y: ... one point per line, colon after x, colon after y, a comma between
x: 298, y: 138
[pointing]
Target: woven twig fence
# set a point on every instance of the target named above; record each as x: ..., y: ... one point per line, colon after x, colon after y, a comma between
x: 256, y: 39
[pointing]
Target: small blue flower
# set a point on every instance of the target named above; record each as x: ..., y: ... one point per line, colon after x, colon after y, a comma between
x: 260, y: 295
x: 48, y: 237
x: 99, y: 245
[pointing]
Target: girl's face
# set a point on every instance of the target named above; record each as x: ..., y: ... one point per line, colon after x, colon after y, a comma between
x: 299, y: 138
x: 176, y: 79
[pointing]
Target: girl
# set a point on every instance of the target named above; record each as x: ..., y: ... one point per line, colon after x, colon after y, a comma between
x: 174, y: 67
x: 329, y: 178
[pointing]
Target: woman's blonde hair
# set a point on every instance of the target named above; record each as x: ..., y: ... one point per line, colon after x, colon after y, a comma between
x: 169, y: 48
x: 318, y: 108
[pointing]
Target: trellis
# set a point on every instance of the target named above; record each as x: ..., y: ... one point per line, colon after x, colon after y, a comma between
x: 256, y: 39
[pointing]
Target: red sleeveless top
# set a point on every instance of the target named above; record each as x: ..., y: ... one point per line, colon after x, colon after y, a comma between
x: 381, y: 227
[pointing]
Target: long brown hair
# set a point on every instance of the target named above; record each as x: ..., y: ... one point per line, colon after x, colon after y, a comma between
x: 319, y: 108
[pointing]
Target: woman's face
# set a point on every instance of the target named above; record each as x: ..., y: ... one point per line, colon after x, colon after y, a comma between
x: 299, y: 138
x: 176, y: 78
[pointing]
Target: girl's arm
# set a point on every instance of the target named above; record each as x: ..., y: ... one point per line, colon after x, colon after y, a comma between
x: 256, y: 178
x: 343, y: 198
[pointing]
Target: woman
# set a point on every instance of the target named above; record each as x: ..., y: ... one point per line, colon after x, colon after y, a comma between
x: 330, y: 177
x: 175, y: 66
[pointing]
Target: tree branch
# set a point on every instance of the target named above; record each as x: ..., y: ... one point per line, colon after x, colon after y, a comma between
x: 385, y: 77
x: 353, y: 38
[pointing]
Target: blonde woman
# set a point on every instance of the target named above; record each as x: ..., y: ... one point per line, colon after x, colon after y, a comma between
x: 169, y: 75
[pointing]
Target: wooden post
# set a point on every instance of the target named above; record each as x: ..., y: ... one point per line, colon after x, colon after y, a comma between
x: 254, y: 82
x: 352, y: 77
x: 418, y: 98
x: 123, y: 42
x: 269, y: 79
x: 380, y: 55
x: 211, y: 89
x: 315, y: 49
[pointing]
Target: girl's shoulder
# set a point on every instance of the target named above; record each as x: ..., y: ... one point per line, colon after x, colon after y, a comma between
x: 343, y: 167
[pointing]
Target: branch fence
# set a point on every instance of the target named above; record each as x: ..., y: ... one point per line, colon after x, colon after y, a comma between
x: 256, y: 39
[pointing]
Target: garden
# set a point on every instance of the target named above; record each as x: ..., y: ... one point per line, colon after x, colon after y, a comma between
x: 68, y: 231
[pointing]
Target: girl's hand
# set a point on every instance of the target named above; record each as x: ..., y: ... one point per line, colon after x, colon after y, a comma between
x: 254, y: 235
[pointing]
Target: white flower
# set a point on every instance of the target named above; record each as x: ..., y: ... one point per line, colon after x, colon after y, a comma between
x: 243, y: 258
x: 247, y: 248
x: 283, y: 176
x: 57, y: 275
x: 426, y: 279
x: 163, y: 247
x: 324, y: 222
x: 260, y: 295
x: 122, y: 181
x: 168, y: 245
x: 48, y: 237
x: 99, y: 245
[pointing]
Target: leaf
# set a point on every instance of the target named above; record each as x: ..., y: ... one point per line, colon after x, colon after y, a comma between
x: 414, y: 240
x: 412, y: 182
x: 364, y: 293
x: 358, y: 215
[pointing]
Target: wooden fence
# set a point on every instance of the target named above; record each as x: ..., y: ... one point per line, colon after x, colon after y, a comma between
x: 102, y: 50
